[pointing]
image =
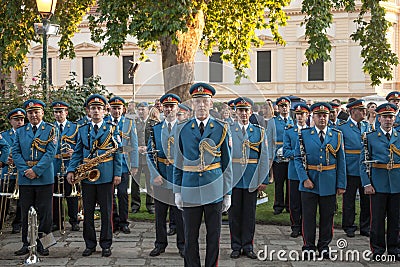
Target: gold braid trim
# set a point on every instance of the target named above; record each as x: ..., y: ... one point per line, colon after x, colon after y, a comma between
x: 394, y: 149
x: 251, y: 145
x: 171, y: 141
x: 126, y: 135
x: 329, y: 148
x: 204, y: 146
x: 37, y: 142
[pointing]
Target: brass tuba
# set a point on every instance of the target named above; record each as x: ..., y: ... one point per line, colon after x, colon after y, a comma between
x: 33, y: 231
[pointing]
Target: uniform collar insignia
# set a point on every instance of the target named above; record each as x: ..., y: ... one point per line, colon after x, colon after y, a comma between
x: 351, y: 125
x: 312, y: 132
x: 42, y: 127
x: 104, y: 127
x: 379, y: 134
x: 395, y: 134
x: 296, y: 129
x: 211, y: 125
x: 251, y: 129
x: 193, y: 125
x: 330, y: 134
x: 237, y: 129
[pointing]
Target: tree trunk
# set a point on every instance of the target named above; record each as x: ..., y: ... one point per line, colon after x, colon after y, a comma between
x: 178, y: 59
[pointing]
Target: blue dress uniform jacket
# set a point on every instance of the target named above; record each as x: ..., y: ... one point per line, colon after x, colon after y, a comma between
x: 290, y: 138
x: 327, y: 181
x: 208, y: 186
x: 4, y: 149
x: 280, y: 126
x: 83, y: 121
x: 255, y: 172
x: 129, y: 140
x: 37, y: 150
x: 164, y: 143
x: 383, y: 180
x: 86, y: 138
x: 353, y: 144
x: 8, y: 138
x: 67, y: 139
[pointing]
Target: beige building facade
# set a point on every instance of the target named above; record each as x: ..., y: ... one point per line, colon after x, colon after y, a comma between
x: 275, y: 70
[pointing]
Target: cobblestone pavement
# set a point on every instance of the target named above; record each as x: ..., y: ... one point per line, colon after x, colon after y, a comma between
x: 133, y: 249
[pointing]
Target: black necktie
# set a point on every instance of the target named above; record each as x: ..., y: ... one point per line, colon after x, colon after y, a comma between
x: 243, y: 131
x: 359, y: 125
x: 34, y: 129
x: 61, y: 129
x: 201, y: 127
x: 388, y: 136
x: 321, y: 136
x: 96, y: 128
x: 169, y: 127
x: 116, y: 121
x: 285, y: 119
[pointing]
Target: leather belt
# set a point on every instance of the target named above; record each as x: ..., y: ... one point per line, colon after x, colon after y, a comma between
x: 32, y: 163
x: 199, y: 168
x: 356, y: 152
x: 62, y: 156
x: 244, y: 161
x: 86, y: 160
x: 278, y: 143
x: 321, y: 167
x: 165, y: 161
x: 387, y: 166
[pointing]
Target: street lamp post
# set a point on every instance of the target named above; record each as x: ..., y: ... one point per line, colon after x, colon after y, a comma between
x: 46, y: 9
x: 131, y: 72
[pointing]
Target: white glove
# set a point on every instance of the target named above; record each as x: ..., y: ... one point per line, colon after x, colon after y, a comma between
x: 178, y: 201
x: 226, y: 203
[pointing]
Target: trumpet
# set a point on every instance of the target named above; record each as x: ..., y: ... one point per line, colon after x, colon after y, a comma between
x: 4, y: 199
x: 61, y: 207
x: 33, y: 231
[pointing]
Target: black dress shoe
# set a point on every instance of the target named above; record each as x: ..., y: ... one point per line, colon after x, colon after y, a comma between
x: 135, y: 210
x: 295, y: 234
x: 276, y: 212
x: 150, y: 211
x: 182, y: 253
x: 75, y: 227
x: 43, y: 251
x: 16, y: 230
x: 22, y: 251
x: 106, y: 252
x: 157, y: 251
x: 350, y: 234
x: 235, y: 254
x: 125, y: 229
x: 250, y: 254
x: 88, y: 251
x: 171, y: 231
x: 364, y: 234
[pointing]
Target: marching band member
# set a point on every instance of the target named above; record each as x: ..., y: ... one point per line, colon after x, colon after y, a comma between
x: 16, y: 118
x: 290, y: 138
x: 33, y: 152
x: 322, y: 173
x: 280, y: 164
x: 202, y: 175
x: 161, y: 173
x: 352, y: 130
x: 380, y: 179
x: 97, y: 147
x: 127, y: 131
x: 68, y: 134
x: 250, y: 174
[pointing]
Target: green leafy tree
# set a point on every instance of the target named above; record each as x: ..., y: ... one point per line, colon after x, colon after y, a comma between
x: 179, y: 28
x: 73, y: 93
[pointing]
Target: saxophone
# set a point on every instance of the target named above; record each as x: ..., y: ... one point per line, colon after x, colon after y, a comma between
x: 87, y: 171
x: 33, y: 228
